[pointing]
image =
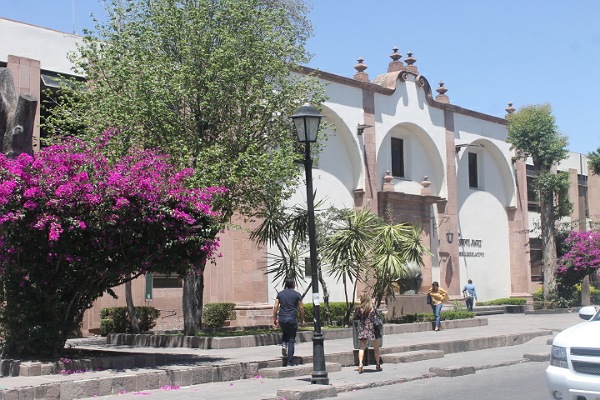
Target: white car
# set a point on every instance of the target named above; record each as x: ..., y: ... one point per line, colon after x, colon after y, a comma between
x: 574, y: 370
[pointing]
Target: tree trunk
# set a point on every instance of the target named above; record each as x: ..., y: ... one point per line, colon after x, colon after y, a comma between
x: 193, y: 292
x: 585, y: 291
x: 133, y: 320
x: 325, y: 295
x: 189, y: 308
x: 548, y: 244
x: 198, y: 295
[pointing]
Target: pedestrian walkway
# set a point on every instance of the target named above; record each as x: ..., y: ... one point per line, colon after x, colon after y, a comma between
x: 499, y: 343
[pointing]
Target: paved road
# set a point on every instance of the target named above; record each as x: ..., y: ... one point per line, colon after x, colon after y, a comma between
x: 524, y: 381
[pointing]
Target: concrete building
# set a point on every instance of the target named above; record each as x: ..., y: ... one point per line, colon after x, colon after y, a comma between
x: 394, y: 143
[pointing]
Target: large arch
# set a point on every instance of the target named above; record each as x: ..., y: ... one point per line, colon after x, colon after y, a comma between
x: 484, y: 254
x: 421, y: 158
x: 341, y: 154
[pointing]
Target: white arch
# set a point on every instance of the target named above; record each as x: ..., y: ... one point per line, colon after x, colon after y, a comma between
x: 421, y: 158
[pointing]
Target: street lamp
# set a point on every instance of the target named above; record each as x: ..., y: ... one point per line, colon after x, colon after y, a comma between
x: 307, y: 119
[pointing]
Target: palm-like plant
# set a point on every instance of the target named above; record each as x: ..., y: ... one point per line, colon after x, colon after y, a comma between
x: 288, y: 231
x: 365, y: 246
x: 346, y: 250
x: 397, y: 246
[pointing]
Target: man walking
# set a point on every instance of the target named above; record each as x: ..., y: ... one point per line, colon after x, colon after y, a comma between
x: 470, y: 294
x: 288, y: 301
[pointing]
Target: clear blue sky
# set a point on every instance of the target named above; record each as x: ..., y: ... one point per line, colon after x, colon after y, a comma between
x: 487, y: 52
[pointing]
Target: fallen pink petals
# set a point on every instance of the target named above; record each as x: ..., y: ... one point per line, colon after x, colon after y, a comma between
x: 170, y: 387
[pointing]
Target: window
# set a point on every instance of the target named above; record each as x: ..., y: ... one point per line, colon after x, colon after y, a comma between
x: 398, y: 157
x: 307, y: 267
x: 533, y: 201
x: 164, y: 281
x: 583, y: 194
x: 473, y: 172
x: 535, y: 259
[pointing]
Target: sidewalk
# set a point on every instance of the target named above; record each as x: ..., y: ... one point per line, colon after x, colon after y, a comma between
x: 498, y: 343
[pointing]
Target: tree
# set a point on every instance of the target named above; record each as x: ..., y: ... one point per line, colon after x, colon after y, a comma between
x: 532, y: 132
x: 73, y: 225
x: 209, y: 82
x: 594, y: 161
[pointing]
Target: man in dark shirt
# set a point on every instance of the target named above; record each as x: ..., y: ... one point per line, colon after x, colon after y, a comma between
x: 288, y: 301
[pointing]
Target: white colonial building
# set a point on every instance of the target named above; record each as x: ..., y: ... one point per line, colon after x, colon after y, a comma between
x: 393, y: 143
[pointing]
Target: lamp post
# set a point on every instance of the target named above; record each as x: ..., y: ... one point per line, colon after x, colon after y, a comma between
x: 307, y: 119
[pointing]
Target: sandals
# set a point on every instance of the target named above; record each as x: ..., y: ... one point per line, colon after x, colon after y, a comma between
x: 378, y: 367
x: 360, y: 369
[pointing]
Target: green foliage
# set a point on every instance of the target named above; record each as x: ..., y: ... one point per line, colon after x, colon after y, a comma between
x: 208, y: 82
x: 538, y: 295
x: 532, y: 132
x: 363, y: 245
x: 502, y: 302
x: 428, y: 317
x: 116, y: 319
x: 564, y: 298
x: 338, y: 312
x: 214, y: 315
x: 594, y: 161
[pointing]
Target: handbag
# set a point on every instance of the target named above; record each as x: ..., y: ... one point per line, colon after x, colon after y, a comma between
x: 377, y: 324
x: 467, y: 294
x: 428, y: 298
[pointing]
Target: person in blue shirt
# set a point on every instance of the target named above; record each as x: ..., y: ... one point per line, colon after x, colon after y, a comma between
x: 470, y: 295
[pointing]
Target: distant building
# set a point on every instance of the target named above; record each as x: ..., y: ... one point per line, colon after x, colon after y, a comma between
x: 394, y: 143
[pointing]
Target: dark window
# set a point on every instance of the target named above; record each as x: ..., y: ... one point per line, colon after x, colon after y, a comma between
x: 473, y: 173
x: 535, y: 259
x: 164, y: 281
x: 533, y: 201
x: 583, y: 194
x: 398, y: 157
x: 307, y: 268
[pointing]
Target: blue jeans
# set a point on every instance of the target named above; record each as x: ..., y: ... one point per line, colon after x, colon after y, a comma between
x: 469, y: 301
x: 437, y: 309
x: 289, y: 329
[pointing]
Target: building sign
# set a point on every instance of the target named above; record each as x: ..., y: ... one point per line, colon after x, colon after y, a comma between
x: 473, y: 245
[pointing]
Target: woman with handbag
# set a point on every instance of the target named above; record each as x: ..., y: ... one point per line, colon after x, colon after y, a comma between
x: 437, y: 296
x: 368, y: 318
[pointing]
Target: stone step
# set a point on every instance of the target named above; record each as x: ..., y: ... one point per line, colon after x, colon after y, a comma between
x: 411, y: 356
x: 450, y: 372
x: 298, y: 370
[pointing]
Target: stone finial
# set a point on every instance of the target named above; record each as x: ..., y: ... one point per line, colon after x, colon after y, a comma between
x: 426, y: 190
x: 441, y: 97
x: 395, y: 64
x: 410, y: 61
x: 510, y: 109
x: 388, y: 186
x: 361, y: 75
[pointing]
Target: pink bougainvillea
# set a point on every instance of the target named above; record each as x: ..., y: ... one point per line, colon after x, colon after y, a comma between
x: 582, y: 258
x: 76, y: 225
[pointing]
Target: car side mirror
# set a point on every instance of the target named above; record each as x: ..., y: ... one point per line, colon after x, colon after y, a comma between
x: 587, y: 312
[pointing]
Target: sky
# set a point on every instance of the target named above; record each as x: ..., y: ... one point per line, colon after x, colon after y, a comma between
x: 487, y: 52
